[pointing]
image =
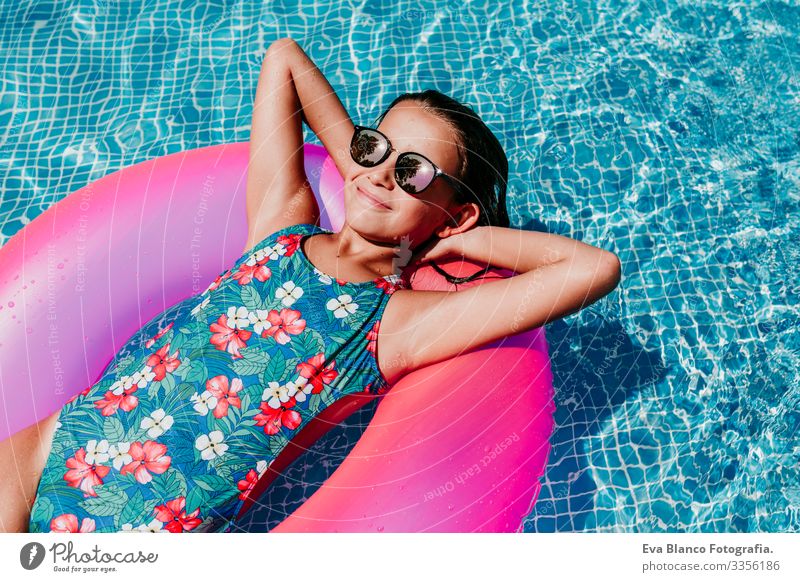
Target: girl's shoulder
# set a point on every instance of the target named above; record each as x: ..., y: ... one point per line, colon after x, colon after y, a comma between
x: 300, y: 228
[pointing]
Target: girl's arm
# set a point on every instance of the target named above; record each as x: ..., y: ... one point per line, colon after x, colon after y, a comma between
x: 558, y: 276
x: 291, y: 89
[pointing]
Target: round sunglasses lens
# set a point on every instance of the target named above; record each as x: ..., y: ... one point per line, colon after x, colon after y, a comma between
x: 413, y: 173
x: 368, y: 147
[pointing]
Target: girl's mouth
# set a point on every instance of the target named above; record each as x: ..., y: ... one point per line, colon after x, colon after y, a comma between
x: 372, y: 200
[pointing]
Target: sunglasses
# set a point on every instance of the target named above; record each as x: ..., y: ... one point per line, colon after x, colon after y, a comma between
x: 413, y: 172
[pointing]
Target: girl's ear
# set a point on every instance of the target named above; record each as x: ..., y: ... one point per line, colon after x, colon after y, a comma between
x: 467, y: 216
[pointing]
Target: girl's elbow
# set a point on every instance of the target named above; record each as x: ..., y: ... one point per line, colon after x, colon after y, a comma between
x: 610, y: 272
x: 613, y: 268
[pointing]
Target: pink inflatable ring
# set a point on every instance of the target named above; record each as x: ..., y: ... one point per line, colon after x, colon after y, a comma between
x: 459, y: 446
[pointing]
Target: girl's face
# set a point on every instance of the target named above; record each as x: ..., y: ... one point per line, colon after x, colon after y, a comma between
x: 409, y: 128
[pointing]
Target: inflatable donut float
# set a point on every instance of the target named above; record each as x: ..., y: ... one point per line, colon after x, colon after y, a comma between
x: 458, y: 446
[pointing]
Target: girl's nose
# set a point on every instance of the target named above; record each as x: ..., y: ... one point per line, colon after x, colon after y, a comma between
x: 382, y: 174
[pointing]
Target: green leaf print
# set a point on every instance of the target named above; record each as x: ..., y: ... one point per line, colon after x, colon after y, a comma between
x: 276, y: 368
x: 212, y: 483
x: 177, y: 342
x: 314, y: 402
x: 185, y: 391
x: 306, y: 346
x: 318, y: 340
x: 197, y: 497
x: 43, y: 510
x: 167, y: 384
x: 109, y: 501
x: 113, y: 430
x: 339, y: 337
x: 133, y: 512
x: 254, y: 362
x: 199, y: 371
x: 122, y: 363
x: 183, y: 369
x: 277, y: 443
x: 169, y: 485
x: 195, y: 338
x: 250, y: 297
x: 328, y: 397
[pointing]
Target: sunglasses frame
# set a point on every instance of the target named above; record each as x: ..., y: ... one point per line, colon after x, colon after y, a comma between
x: 437, y: 171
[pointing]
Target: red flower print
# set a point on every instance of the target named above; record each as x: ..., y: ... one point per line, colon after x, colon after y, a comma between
x: 68, y: 523
x: 246, y: 485
x: 154, y: 339
x: 162, y: 363
x: 84, y: 476
x: 317, y: 375
x: 273, y: 418
x: 291, y: 242
x: 147, y: 458
x: 226, y: 396
x: 115, y: 399
x: 284, y: 323
x: 228, y: 339
x: 218, y: 280
x: 173, y: 515
x: 84, y: 393
x: 372, y: 336
x: 247, y: 273
x: 387, y: 286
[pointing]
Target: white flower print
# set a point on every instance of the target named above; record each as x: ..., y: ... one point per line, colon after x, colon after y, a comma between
x: 142, y: 377
x: 119, y: 455
x: 157, y: 423
x: 300, y: 388
x: 274, y: 394
x: 276, y: 251
x: 259, y: 320
x: 204, y: 402
x: 288, y: 293
x: 238, y: 318
x: 96, y: 452
x: 261, y: 466
x: 200, y: 306
x: 129, y: 528
x: 257, y: 256
x: 154, y: 526
x: 323, y: 278
x: 124, y: 384
x: 210, y: 445
x: 342, y: 306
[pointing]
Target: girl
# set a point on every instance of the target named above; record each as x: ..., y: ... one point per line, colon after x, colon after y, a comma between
x: 212, y: 397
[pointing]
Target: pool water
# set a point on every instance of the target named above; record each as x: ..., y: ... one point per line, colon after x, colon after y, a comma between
x: 666, y: 132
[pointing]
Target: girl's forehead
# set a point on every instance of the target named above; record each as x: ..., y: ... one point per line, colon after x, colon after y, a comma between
x: 419, y: 131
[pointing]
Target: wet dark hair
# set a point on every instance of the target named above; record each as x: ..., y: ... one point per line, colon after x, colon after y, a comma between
x: 483, y: 172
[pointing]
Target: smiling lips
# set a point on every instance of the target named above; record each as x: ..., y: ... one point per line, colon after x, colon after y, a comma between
x: 372, y: 198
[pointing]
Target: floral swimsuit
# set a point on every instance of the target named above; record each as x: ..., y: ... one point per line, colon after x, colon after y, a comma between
x: 190, y: 413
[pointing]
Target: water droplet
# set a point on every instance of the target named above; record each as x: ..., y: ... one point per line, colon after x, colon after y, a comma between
x: 60, y: 265
x: 29, y: 330
x: 11, y: 304
x: 450, y: 507
x: 380, y: 528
